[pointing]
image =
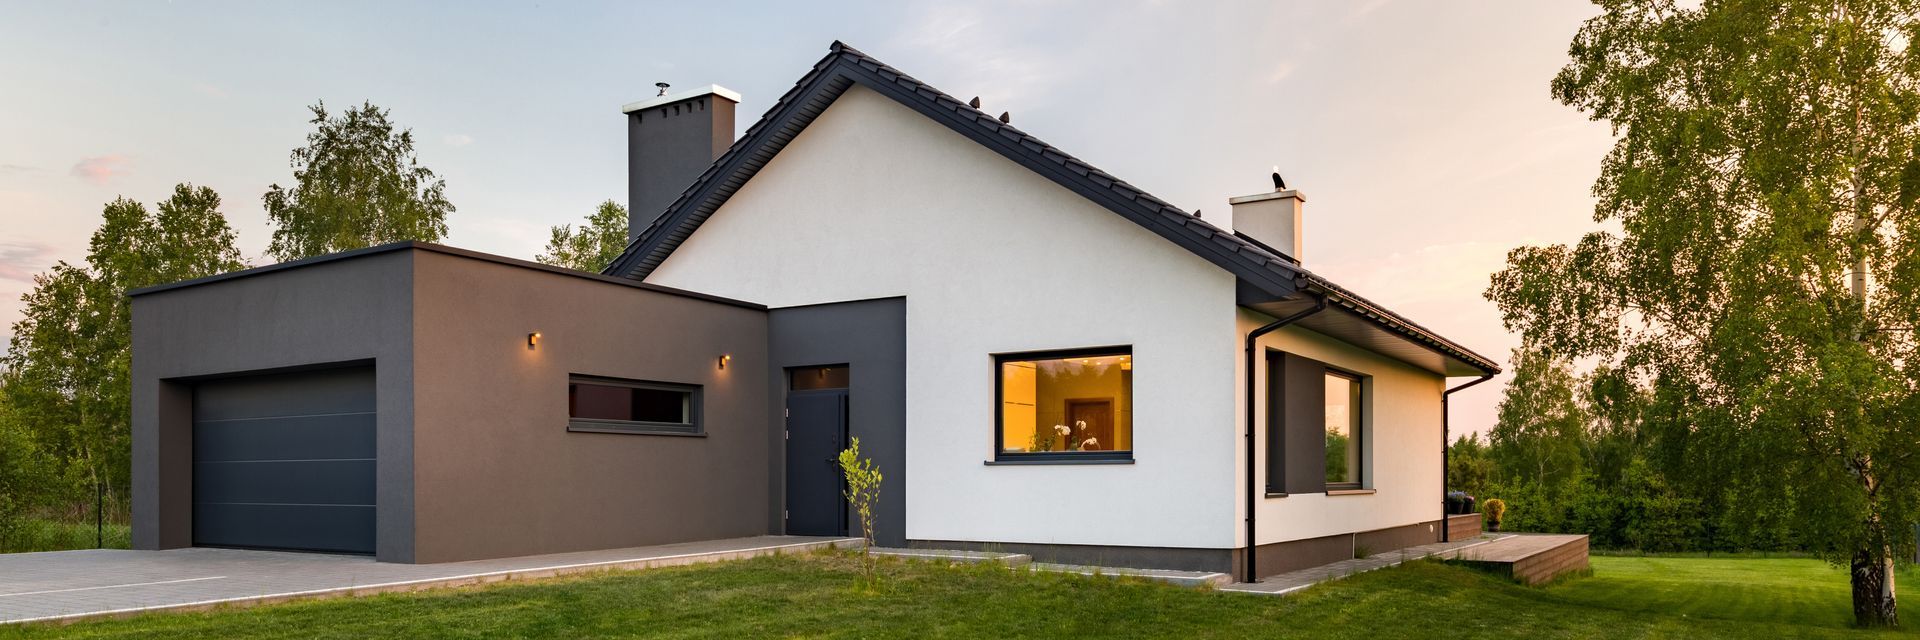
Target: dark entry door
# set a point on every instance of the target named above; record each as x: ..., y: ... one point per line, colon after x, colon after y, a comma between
x: 816, y: 432
x: 1098, y: 416
x: 285, y: 461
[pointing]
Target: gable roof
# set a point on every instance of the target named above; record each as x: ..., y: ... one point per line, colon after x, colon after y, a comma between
x: 1266, y: 278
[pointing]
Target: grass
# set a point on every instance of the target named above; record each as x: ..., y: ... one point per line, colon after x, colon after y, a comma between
x: 1775, y: 590
x: 817, y: 596
x: 35, y: 534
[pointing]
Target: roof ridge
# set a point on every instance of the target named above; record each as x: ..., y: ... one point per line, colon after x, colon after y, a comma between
x: 844, y: 66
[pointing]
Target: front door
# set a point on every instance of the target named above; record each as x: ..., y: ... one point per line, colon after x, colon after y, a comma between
x: 1097, y: 416
x: 816, y: 432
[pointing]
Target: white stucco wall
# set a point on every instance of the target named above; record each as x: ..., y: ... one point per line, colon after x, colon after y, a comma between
x: 874, y: 200
x: 1402, y: 450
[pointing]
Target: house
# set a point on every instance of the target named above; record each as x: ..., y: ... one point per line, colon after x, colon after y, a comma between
x: 1038, y: 356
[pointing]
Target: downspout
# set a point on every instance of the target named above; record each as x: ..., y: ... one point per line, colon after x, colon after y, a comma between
x: 1253, y: 337
x: 1446, y: 521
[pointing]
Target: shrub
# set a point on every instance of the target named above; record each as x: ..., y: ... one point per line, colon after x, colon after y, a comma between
x: 863, y: 489
x: 1495, y: 509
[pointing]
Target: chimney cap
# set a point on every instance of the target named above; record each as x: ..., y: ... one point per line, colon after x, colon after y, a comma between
x: 1289, y: 193
x: 712, y: 89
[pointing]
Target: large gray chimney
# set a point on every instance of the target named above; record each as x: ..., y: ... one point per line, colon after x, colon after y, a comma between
x: 671, y: 138
x: 1272, y: 219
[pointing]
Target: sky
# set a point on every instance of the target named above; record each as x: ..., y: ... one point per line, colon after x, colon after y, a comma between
x: 1422, y: 133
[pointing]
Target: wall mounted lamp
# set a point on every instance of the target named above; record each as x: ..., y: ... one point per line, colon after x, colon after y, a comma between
x: 724, y: 359
x: 533, y: 340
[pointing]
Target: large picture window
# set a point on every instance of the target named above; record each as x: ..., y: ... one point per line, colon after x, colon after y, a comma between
x: 1065, y: 404
x: 1343, y: 431
x: 608, y: 405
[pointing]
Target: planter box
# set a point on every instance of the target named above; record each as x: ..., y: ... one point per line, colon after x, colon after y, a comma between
x: 1464, y: 526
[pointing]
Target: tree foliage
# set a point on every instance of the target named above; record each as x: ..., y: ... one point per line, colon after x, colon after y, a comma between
x: 356, y: 184
x: 1764, y: 283
x: 1541, y: 422
x: 594, y: 245
x: 66, y: 386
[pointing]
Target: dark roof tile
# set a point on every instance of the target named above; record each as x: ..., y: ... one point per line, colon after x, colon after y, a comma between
x: 846, y: 66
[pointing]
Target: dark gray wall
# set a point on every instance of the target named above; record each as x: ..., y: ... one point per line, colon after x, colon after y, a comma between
x: 474, y: 456
x: 497, y: 473
x: 1294, y: 555
x: 871, y: 337
x: 1178, y: 558
x: 354, y: 310
x: 1275, y: 558
x: 668, y: 146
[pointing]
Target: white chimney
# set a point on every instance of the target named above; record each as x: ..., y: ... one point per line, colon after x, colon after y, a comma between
x: 1272, y: 219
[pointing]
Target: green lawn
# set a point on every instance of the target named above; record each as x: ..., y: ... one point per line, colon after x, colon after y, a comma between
x: 48, y: 535
x: 811, y: 596
x: 1798, y: 590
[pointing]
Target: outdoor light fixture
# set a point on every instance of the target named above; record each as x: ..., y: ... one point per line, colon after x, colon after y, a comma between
x: 533, y: 340
x: 723, y: 361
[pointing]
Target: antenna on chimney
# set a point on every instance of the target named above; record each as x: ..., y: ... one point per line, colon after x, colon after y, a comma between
x: 663, y: 88
x: 1006, y: 117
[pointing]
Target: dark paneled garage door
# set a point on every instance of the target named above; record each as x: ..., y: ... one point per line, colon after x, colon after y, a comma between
x: 285, y: 461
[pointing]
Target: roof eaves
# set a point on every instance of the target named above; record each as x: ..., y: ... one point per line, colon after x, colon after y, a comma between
x: 1399, y: 324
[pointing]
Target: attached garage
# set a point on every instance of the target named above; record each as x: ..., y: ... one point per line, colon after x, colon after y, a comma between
x: 285, y: 461
x: 388, y: 401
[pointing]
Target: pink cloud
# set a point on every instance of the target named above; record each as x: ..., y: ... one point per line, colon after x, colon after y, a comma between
x: 20, y: 260
x: 101, y: 169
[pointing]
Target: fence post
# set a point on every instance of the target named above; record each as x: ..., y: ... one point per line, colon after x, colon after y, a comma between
x: 99, y: 515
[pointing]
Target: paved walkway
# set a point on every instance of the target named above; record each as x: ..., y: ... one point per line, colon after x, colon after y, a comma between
x: 1290, y: 582
x: 69, y: 585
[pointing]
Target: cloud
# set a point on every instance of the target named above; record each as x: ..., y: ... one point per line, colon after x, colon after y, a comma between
x: 209, y: 90
x: 10, y: 169
x: 20, y: 260
x: 101, y: 169
x: 1281, y: 71
x: 457, y: 139
x: 1363, y: 9
x: 998, y: 66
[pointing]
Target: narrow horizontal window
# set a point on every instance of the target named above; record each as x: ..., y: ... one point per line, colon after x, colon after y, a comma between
x: 1068, y: 405
x: 815, y: 378
x: 632, y: 406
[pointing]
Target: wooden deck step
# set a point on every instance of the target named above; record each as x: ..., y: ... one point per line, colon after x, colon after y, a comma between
x: 1530, y: 559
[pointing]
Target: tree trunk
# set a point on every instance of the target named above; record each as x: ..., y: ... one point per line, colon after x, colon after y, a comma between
x: 1873, y: 604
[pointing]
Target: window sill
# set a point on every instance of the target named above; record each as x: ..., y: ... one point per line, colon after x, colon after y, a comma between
x: 1056, y: 461
x: 1350, y: 492
x: 1272, y: 495
x: 636, y: 430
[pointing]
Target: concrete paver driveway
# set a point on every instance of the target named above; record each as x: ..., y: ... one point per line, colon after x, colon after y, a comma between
x: 65, y: 585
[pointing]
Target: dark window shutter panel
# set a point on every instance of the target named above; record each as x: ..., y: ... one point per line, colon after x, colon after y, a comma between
x: 1296, y: 424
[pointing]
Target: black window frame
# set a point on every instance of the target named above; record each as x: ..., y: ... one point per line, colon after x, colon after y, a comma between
x: 1359, y: 427
x: 696, y: 401
x: 1062, y: 457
